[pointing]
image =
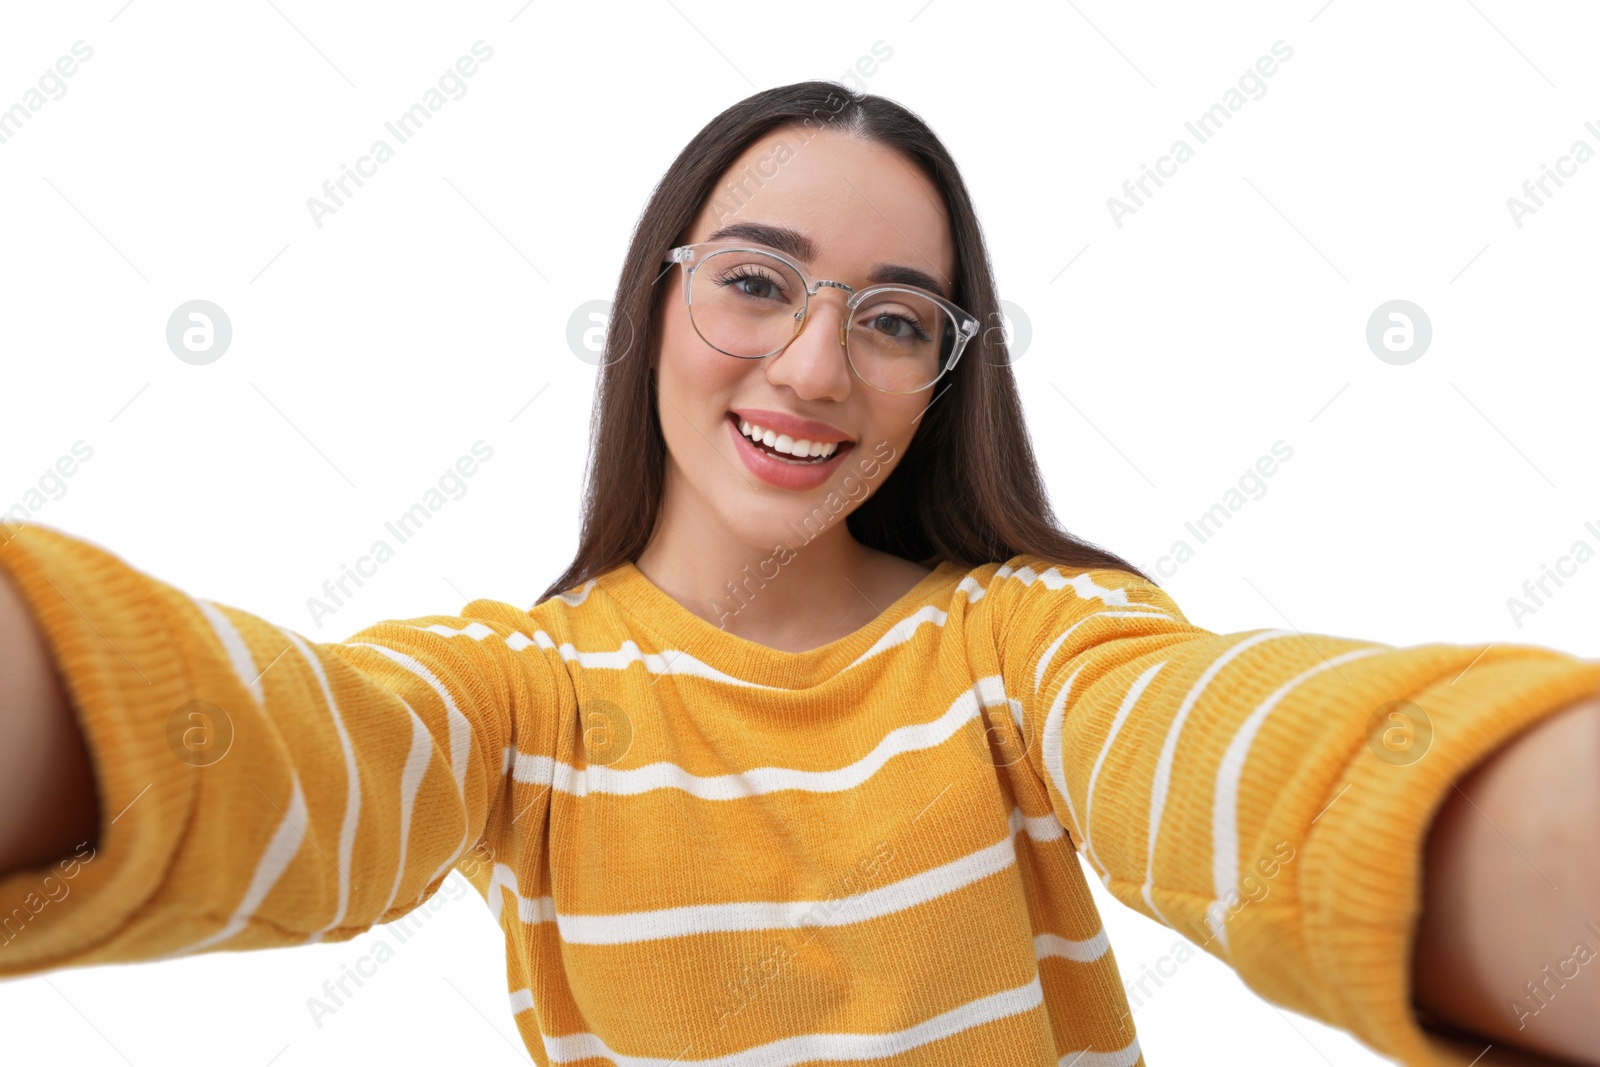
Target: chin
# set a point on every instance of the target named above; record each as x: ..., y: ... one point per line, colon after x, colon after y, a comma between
x: 765, y: 525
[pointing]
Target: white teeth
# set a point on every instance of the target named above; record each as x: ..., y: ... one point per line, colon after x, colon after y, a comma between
x: 801, y: 448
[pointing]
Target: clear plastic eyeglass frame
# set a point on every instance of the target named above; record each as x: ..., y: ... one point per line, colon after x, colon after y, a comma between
x: 963, y: 324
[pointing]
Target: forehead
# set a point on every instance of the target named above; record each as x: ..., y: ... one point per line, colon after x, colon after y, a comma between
x: 862, y: 203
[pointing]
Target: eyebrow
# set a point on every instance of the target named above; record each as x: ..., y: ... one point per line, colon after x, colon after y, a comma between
x: 794, y: 243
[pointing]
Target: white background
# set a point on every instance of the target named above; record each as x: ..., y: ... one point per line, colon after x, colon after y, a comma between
x: 368, y: 354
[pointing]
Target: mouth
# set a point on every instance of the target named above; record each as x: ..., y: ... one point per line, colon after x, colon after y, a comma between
x: 777, y: 464
x: 784, y: 447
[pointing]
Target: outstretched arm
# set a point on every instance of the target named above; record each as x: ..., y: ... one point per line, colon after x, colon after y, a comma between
x: 254, y: 788
x: 1510, y: 926
x: 1271, y: 794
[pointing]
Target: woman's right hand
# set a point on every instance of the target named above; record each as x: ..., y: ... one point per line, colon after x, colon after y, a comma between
x: 48, y: 800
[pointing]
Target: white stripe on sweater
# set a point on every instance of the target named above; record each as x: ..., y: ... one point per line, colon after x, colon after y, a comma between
x: 1049, y: 653
x: 582, y: 781
x: 1123, y: 1057
x: 1169, y: 747
x: 628, y: 653
x: 233, y: 643
x: 417, y: 759
x: 804, y: 1048
x: 632, y: 927
x: 460, y: 730
x: 1082, y: 584
x: 1040, y: 827
x: 274, y: 860
x: 352, y: 778
x: 575, y: 599
x: 1051, y: 740
x: 671, y: 661
x: 901, y: 632
x: 1046, y: 945
x: 1225, y: 804
x: 1128, y: 701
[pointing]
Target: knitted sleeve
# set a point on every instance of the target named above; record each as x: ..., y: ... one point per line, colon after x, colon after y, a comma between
x: 1265, y: 793
x: 258, y: 789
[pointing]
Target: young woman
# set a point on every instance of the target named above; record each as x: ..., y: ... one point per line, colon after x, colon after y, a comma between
x: 797, y: 761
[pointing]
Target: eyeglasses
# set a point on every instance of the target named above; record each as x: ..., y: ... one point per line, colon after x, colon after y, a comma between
x: 751, y: 302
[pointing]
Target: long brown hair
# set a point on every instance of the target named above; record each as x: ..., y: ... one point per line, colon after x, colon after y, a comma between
x: 968, y: 488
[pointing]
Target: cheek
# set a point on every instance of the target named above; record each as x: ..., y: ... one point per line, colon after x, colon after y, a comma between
x: 898, y: 424
x: 695, y: 383
x: 689, y: 360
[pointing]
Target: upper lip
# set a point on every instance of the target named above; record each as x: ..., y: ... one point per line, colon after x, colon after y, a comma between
x: 797, y: 428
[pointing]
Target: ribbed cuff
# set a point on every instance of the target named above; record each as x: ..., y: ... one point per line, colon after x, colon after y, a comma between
x: 106, y: 629
x: 1362, y: 886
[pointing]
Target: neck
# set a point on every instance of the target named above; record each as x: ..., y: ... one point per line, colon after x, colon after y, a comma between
x: 808, y: 581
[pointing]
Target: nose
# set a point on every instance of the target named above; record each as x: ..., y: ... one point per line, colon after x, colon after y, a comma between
x: 813, y: 364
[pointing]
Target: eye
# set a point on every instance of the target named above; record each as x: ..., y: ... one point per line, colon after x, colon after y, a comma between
x: 761, y: 287
x: 890, y: 324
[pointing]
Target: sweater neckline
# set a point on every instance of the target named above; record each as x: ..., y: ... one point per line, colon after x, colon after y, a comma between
x: 687, y: 634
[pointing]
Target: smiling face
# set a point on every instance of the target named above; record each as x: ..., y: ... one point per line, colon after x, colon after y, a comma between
x: 859, y: 213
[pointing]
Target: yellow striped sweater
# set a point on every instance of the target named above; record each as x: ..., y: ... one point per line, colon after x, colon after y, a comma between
x: 703, y: 850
